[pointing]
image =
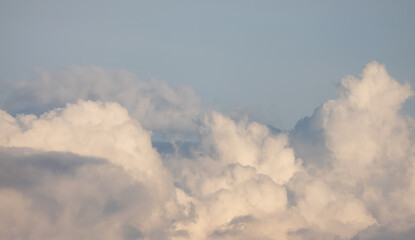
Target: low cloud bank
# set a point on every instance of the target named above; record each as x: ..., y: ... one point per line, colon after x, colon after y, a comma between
x: 89, y: 168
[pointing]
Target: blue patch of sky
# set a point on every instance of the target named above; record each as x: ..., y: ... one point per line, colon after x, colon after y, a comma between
x: 275, y: 60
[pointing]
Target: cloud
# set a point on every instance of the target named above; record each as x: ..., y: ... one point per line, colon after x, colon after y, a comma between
x: 153, y: 103
x: 367, y: 150
x: 244, y: 182
x: 235, y: 178
x: 346, y: 172
x: 47, y: 195
x: 102, y: 130
x: 87, y: 128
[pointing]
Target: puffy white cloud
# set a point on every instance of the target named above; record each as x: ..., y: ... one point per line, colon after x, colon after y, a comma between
x: 346, y: 172
x: 87, y: 128
x: 249, y: 144
x: 103, y: 130
x: 245, y: 182
x: 366, y: 154
x: 372, y: 145
x: 235, y: 179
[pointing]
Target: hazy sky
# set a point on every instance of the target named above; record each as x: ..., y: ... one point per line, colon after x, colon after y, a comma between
x: 274, y: 60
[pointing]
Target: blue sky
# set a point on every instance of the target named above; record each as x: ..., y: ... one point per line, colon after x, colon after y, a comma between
x: 127, y: 120
x: 274, y: 60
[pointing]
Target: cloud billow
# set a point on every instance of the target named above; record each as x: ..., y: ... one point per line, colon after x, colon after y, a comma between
x: 85, y: 165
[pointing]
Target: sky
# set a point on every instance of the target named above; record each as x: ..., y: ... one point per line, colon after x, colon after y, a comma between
x: 277, y: 59
x: 229, y: 120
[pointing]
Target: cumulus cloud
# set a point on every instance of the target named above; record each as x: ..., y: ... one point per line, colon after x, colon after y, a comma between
x: 89, y: 167
x: 51, y: 195
x: 102, y: 130
x: 235, y: 178
x: 367, y: 151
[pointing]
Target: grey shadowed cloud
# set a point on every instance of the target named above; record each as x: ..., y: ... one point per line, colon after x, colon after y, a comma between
x: 48, y: 195
x: 154, y: 103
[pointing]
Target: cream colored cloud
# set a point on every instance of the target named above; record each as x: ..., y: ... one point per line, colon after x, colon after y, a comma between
x: 367, y: 160
x: 241, y: 180
x: 372, y: 145
x: 235, y: 179
x: 103, y: 130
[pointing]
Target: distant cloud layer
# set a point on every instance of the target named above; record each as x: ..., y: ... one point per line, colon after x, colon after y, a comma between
x: 77, y: 161
x: 154, y: 103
